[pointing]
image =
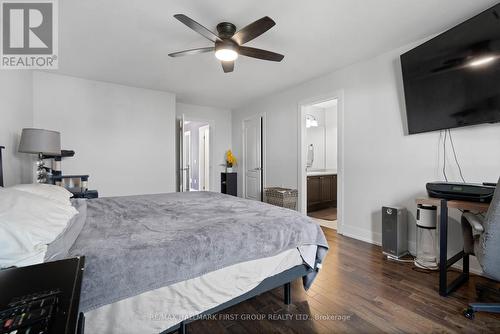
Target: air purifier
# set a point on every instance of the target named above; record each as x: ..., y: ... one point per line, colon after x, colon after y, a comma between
x: 426, y: 243
x: 394, y: 232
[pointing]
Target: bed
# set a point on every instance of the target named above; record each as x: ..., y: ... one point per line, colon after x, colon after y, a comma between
x: 154, y: 263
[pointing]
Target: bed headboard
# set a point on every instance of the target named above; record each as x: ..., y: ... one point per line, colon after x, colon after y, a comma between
x: 1, y: 167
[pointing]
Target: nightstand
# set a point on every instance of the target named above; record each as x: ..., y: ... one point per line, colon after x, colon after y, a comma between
x: 54, y: 285
x: 88, y: 194
x: 229, y: 183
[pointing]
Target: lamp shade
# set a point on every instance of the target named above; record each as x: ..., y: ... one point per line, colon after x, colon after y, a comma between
x: 40, y: 141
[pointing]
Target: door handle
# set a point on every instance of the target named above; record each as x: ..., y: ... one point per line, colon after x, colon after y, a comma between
x: 258, y: 168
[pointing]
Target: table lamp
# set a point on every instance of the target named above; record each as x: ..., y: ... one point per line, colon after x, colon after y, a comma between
x: 41, y: 142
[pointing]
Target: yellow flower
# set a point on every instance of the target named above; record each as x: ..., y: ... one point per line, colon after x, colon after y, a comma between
x: 230, y: 159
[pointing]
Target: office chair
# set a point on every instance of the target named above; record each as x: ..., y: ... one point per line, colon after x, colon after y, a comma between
x: 482, y: 239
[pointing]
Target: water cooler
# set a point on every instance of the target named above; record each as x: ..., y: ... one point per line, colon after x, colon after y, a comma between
x: 427, y: 239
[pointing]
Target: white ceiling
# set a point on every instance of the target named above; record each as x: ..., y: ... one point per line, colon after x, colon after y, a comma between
x: 127, y: 41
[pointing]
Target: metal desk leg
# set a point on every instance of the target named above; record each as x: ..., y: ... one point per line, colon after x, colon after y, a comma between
x: 443, y: 247
x: 444, y: 262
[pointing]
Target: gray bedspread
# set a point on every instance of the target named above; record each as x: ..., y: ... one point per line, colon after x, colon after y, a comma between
x: 139, y: 243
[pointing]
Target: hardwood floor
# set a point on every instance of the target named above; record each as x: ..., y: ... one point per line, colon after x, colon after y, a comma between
x: 357, y: 291
x: 325, y: 214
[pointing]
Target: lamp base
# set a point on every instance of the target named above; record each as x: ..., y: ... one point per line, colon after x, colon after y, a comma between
x: 41, y: 170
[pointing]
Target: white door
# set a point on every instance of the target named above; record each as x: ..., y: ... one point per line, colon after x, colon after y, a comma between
x: 204, y: 158
x: 252, y: 158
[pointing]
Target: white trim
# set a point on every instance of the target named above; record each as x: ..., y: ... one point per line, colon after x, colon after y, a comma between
x: 187, y: 142
x: 201, y: 142
x: 263, y: 172
x: 301, y: 171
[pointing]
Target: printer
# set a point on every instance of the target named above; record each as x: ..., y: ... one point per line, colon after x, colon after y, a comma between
x: 462, y: 191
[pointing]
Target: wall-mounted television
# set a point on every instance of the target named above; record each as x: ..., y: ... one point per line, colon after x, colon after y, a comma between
x: 453, y: 80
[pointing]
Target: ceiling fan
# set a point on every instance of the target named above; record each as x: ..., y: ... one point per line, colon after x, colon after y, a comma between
x: 229, y: 43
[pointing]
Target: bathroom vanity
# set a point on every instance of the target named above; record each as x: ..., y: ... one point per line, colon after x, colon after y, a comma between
x: 321, y: 189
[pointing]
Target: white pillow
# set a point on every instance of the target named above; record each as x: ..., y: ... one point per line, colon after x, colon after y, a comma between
x: 28, y: 223
x: 50, y: 191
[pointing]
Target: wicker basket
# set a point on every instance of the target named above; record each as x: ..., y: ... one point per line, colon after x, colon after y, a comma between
x: 286, y: 198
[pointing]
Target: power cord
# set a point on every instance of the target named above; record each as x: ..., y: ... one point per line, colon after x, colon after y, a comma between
x: 444, y: 156
x: 446, y: 133
x: 455, y: 155
x: 393, y: 258
x: 420, y: 266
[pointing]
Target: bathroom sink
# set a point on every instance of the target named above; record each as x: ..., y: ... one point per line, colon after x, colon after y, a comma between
x: 316, y: 172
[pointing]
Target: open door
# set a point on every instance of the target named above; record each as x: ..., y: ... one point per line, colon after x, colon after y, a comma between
x: 204, y: 158
x: 252, y: 146
x: 184, y: 157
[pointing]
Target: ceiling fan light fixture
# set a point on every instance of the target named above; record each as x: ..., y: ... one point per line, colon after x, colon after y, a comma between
x: 226, y: 54
x: 229, y: 42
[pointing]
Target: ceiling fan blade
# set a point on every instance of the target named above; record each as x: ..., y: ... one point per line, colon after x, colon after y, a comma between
x: 260, y: 54
x: 227, y: 66
x: 191, y: 52
x: 197, y: 27
x: 253, y: 30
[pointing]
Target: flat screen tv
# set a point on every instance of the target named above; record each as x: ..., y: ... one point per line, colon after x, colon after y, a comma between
x: 453, y: 80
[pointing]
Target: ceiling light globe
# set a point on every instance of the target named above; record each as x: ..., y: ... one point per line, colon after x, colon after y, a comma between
x: 226, y: 54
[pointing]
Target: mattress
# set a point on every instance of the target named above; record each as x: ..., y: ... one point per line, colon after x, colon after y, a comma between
x: 157, y: 310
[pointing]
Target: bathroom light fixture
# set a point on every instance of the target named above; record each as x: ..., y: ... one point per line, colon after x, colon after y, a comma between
x: 482, y: 61
x: 311, y: 121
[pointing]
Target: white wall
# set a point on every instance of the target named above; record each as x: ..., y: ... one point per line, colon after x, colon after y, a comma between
x: 220, y: 127
x: 124, y: 137
x: 383, y: 166
x: 16, y: 112
x: 331, y: 137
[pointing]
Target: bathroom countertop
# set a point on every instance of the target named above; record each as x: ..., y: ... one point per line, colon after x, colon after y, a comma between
x: 320, y: 172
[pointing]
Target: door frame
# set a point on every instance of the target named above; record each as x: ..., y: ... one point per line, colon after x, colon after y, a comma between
x: 212, y: 132
x: 302, y: 154
x: 200, y: 141
x: 189, y: 163
x: 263, y: 117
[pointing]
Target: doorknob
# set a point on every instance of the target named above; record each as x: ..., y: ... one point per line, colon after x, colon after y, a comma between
x: 258, y: 168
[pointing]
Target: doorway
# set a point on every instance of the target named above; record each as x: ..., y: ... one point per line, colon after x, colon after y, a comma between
x: 253, y: 157
x: 195, y: 162
x: 320, y: 166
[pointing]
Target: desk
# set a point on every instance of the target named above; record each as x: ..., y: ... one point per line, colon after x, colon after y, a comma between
x: 444, y: 262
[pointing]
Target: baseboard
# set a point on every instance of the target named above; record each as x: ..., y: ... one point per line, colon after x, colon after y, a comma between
x: 362, y: 235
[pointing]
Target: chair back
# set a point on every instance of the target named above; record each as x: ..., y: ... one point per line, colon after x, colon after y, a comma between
x: 489, y: 242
